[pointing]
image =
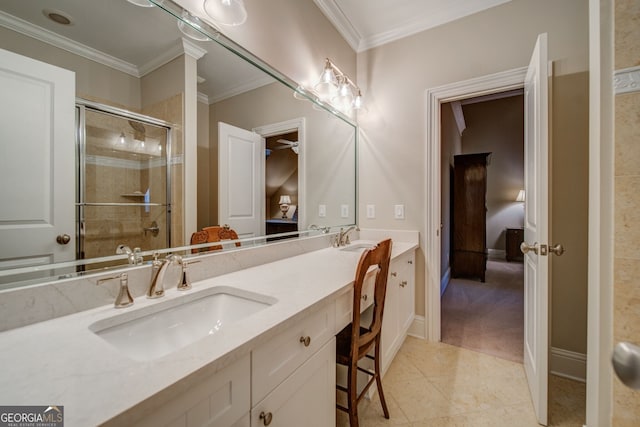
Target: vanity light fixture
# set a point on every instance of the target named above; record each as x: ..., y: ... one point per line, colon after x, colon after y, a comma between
x: 226, y: 12
x: 122, y: 138
x: 334, y: 89
x: 191, y: 26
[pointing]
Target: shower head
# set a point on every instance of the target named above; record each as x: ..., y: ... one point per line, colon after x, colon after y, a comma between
x: 139, y: 130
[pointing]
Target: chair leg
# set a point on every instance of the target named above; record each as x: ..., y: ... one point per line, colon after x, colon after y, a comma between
x: 352, y: 392
x: 379, y: 380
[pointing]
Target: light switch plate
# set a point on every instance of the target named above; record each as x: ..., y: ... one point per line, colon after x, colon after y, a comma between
x: 398, y: 211
x: 344, y: 211
x: 371, y: 211
x: 322, y: 211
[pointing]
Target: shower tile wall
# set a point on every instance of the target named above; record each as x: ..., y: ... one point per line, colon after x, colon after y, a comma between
x: 121, y: 176
x: 626, y: 402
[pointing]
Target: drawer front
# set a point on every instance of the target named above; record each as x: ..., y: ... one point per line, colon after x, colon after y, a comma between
x: 306, y: 398
x: 221, y: 400
x: 275, y: 360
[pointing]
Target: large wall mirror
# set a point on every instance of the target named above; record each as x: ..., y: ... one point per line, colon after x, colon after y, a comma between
x: 110, y: 108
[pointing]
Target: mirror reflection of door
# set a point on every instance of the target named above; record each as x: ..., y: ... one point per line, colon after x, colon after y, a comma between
x: 281, y: 183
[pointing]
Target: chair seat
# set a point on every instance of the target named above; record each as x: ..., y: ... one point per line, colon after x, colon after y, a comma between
x: 343, y: 344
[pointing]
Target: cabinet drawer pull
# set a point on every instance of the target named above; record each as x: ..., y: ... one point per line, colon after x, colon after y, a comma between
x: 394, y: 274
x: 410, y: 262
x: 364, y: 297
x: 266, y: 418
x: 306, y: 341
x: 403, y: 283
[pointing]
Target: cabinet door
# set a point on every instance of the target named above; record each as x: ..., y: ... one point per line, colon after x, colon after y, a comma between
x: 307, y: 398
x: 220, y: 400
x: 406, y: 290
x: 389, y: 337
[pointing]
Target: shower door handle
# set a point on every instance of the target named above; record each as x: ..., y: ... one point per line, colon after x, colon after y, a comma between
x: 63, y: 239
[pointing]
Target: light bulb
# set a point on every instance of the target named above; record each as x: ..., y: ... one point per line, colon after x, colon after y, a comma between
x: 122, y: 138
x: 357, y: 102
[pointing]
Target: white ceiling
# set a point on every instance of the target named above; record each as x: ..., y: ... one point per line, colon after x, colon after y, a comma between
x: 369, y: 23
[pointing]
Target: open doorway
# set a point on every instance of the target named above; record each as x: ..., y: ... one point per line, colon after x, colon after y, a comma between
x: 281, y: 183
x: 482, y: 175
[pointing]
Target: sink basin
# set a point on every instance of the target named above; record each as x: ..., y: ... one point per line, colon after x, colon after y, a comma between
x: 360, y: 246
x: 161, y: 329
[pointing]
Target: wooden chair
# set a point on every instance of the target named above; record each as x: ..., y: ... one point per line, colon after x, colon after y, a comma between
x: 353, y: 343
x: 212, y: 234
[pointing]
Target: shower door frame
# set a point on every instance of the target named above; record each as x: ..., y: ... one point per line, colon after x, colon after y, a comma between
x: 81, y: 137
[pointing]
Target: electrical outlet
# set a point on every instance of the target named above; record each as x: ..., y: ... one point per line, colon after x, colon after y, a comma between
x: 344, y: 211
x: 371, y: 211
x: 398, y: 211
x: 322, y: 211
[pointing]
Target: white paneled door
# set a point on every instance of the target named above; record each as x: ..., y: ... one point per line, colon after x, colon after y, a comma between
x: 536, y: 235
x: 37, y: 162
x: 241, y: 160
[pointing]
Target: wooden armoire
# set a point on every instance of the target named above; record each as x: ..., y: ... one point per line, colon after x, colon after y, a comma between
x: 469, y: 208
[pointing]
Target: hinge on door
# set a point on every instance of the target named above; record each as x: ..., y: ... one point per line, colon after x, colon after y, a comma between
x: 543, y: 250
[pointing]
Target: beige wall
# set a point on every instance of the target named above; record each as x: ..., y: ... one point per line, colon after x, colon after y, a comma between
x: 395, y: 76
x: 569, y: 152
x: 498, y: 127
x: 626, y: 313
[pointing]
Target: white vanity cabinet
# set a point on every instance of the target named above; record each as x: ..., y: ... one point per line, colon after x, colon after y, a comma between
x: 399, y: 310
x: 293, y: 374
x: 306, y: 398
x: 220, y: 400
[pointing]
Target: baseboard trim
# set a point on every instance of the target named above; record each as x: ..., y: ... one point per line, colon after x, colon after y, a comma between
x: 444, y: 282
x: 568, y: 364
x: 496, y: 254
x: 416, y: 329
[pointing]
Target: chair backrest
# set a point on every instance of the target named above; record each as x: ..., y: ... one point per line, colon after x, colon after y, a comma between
x: 215, y: 233
x: 378, y: 257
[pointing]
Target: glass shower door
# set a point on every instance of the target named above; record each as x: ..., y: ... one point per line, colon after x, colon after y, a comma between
x: 123, y: 194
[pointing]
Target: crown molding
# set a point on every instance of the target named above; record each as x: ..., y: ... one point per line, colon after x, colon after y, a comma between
x: 240, y: 89
x: 203, y: 98
x: 182, y: 47
x: 28, y: 29
x: 339, y: 20
x: 419, y: 23
x: 627, y: 80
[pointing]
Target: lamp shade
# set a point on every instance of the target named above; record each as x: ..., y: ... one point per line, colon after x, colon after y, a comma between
x: 226, y: 12
x: 285, y: 200
x: 520, y: 197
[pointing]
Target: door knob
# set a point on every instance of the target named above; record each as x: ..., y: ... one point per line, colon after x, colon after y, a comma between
x: 63, y: 239
x: 266, y: 417
x: 557, y: 249
x: 524, y: 247
x: 626, y: 364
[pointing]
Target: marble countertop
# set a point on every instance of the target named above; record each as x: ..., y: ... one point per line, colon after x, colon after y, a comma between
x: 61, y: 362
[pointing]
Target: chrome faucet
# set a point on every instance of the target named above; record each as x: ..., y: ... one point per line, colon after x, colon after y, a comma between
x: 159, y: 268
x: 124, y: 298
x: 342, y: 238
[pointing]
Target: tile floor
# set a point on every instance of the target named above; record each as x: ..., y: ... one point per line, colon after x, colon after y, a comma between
x: 440, y: 385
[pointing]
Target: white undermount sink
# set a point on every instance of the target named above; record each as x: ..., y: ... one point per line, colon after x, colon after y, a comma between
x: 161, y: 329
x: 358, y: 246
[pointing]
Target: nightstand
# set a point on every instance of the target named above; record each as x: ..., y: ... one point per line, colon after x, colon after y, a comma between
x: 514, y: 237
